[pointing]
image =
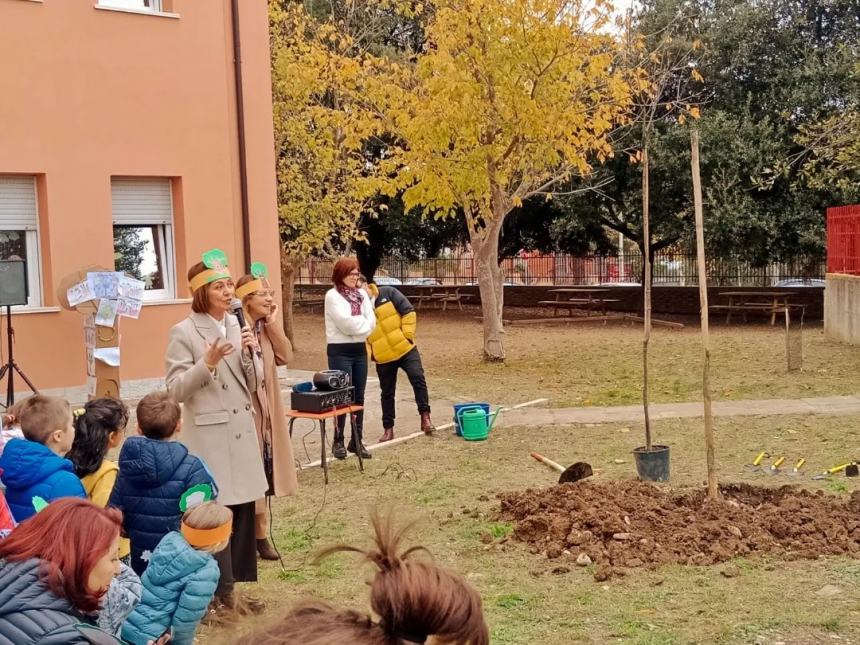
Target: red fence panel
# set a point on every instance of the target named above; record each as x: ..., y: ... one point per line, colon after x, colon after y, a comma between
x: 843, y: 239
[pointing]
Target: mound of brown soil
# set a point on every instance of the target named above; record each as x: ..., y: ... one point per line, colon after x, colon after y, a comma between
x: 633, y: 524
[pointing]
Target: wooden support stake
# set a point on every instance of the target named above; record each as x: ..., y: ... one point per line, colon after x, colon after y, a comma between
x: 713, y: 489
x: 646, y: 236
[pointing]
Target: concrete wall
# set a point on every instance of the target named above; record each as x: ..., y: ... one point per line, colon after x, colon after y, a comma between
x: 88, y: 93
x: 842, y: 308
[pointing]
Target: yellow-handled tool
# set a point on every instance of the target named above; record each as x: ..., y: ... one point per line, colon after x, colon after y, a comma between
x: 832, y: 471
x: 756, y: 463
x: 773, y: 469
x: 795, y: 472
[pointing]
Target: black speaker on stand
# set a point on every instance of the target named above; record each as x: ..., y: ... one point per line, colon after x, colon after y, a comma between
x: 13, y: 292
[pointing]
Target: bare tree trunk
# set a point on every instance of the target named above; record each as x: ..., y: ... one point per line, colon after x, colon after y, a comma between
x: 646, y: 279
x: 485, y: 245
x: 713, y: 489
x: 289, y: 267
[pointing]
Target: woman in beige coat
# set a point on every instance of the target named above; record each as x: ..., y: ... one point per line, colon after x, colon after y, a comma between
x: 210, y: 370
x: 261, y: 312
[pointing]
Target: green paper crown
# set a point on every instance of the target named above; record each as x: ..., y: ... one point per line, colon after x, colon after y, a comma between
x: 259, y: 270
x: 39, y: 503
x: 216, y: 260
x: 195, y: 496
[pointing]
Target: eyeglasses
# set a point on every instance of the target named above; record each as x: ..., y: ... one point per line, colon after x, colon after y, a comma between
x: 264, y: 294
x: 355, y: 274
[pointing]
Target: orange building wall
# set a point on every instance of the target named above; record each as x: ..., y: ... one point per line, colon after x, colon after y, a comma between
x: 87, y: 94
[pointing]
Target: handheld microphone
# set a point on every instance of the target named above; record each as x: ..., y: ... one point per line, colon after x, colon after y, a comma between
x: 236, y: 310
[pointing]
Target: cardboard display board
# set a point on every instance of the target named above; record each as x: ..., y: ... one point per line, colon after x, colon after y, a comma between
x: 103, y: 297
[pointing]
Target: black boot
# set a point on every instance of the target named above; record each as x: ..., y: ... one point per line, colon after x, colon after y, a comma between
x: 355, y: 442
x: 351, y: 447
x: 337, y: 448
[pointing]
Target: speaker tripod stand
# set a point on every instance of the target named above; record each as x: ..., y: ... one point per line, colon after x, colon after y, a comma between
x: 10, y: 367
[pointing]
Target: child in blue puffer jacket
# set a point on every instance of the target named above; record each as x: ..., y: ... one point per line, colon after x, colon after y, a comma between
x: 154, y: 471
x: 34, y: 468
x: 181, y: 578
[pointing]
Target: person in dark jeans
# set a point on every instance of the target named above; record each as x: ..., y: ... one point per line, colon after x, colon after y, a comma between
x: 392, y: 347
x: 349, y: 320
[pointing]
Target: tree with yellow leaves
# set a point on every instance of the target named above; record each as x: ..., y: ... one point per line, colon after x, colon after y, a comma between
x: 511, y: 100
x: 324, y: 130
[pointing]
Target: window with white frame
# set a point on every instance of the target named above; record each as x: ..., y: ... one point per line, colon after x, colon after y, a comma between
x: 19, y: 229
x: 135, y: 5
x: 143, y: 233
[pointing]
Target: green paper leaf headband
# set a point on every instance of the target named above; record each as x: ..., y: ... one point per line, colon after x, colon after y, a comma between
x: 216, y: 269
x: 216, y: 260
x: 195, y: 496
x: 259, y: 270
x: 260, y: 273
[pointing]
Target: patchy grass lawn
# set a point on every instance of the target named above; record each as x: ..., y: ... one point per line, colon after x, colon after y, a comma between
x: 451, y: 485
x: 591, y: 364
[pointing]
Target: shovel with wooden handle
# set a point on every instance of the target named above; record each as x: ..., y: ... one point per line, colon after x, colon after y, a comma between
x: 573, y: 473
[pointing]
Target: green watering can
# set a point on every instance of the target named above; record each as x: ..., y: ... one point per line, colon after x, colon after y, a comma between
x: 475, y: 422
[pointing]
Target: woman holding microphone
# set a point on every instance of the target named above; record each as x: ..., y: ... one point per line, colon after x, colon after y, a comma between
x: 261, y: 313
x: 210, y: 369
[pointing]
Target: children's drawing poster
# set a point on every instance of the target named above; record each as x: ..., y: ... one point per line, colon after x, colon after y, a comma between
x: 129, y: 307
x: 130, y: 288
x: 90, y: 331
x: 105, y: 284
x: 80, y: 292
x: 106, y: 315
x: 91, y: 360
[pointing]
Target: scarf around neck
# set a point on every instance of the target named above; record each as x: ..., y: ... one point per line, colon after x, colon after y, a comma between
x: 353, y: 297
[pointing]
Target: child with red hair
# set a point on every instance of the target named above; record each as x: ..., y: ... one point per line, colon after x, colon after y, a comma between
x: 54, y: 569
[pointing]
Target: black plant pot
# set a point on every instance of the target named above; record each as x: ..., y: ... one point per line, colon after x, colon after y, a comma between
x: 652, y: 465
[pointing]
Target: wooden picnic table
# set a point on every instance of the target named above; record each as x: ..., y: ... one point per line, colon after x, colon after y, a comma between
x: 771, y: 302
x: 440, y: 293
x: 588, y: 298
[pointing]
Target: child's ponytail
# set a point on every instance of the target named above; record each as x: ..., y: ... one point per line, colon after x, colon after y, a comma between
x: 415, y: 600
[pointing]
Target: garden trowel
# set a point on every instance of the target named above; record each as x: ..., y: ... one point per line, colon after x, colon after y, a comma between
x: 832, y: 471
x: 773, y: 469
x: 755, y: 466
x: 796, y: 471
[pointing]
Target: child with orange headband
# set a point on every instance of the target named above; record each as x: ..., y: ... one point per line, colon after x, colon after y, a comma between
x: 182, y: 575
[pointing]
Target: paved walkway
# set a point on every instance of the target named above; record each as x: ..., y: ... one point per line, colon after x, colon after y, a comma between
x: 306, y: 437
x: 537, y: 415
x: 633, y: 413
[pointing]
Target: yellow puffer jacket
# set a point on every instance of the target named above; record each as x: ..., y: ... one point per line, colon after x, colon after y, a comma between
x: 394, y: 335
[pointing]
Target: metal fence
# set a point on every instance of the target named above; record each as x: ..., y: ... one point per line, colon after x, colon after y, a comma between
x: 670, y: 269
x: 843, y: 240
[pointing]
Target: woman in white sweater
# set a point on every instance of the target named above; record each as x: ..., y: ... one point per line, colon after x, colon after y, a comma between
x: 349, y: 320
